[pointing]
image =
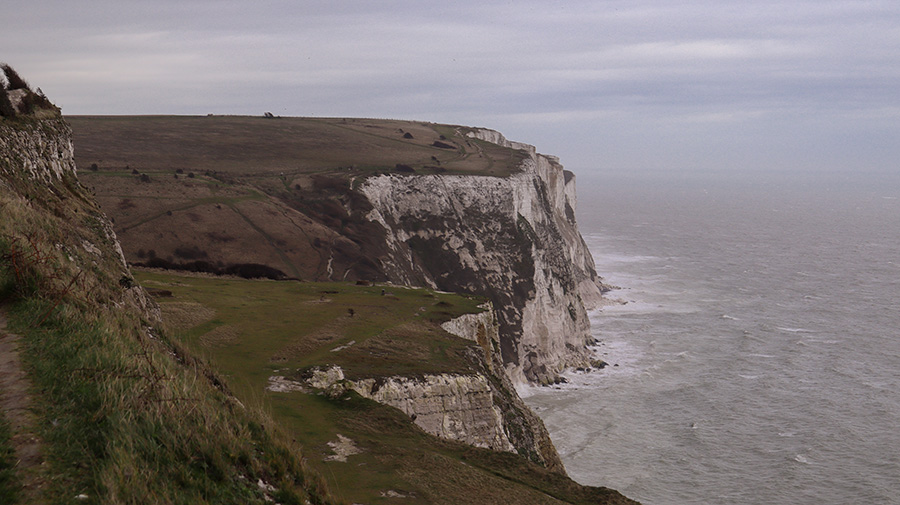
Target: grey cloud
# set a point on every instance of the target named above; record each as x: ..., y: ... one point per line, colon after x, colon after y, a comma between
x: 687, y: 75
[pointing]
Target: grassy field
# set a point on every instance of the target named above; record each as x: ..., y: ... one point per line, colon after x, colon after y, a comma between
x: 250, y: 330
x: 289, y: 147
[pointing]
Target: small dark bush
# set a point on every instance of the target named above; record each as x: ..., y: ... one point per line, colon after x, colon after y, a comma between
x: 407, y: 135
x: 33, y: 101
x: 326, y: 183
x: 134, y: 172
x: 404, y: 168
x: 179, y: 170
x: 190, y: 175
x: 145, y: 178
x: 255, y: 271
x: 94, y: 167
x: 13, y: 79
x: 6, y: 108
x: 442, y: 145
x: 190, y: 253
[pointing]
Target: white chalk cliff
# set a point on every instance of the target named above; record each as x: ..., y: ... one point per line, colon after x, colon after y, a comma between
x: 513, y: 239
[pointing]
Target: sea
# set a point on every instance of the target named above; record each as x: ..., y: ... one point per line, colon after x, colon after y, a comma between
x: 753, y: 340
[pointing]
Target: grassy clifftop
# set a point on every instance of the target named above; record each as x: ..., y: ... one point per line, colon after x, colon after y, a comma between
x: 214, y: 192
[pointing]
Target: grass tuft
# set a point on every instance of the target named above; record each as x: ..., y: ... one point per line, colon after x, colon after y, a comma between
x: 9, y: 484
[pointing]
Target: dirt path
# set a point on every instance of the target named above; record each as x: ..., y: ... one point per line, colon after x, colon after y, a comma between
x: 14, y: 405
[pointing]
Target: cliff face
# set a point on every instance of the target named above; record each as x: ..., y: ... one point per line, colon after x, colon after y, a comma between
x: 37, y: 150
x: 513, y: 239
x: 37, y: 162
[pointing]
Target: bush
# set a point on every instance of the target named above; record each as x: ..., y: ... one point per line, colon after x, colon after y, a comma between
x: 190, y: 253
x: 13, y: 79
x: 33, y: 101
x: 6, y: 108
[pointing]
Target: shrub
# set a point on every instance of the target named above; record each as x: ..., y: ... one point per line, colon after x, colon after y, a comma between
x: 33, y: 101
x: 404, y: 168
x: 190, y: 253
x: 6, y: 108
x: 13, y: 79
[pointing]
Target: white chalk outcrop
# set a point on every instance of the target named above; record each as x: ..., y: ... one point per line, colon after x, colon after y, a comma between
x: 454, y: 407
x: 513, y: 239
x: 39, y: 150
x: 480, y: 408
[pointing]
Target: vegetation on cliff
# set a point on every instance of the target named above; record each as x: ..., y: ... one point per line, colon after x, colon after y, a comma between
x: 17, y: 99
x: 122, y: 413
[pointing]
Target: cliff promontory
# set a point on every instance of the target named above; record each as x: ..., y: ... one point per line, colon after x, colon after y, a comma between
x: 453, y: 208
x: 206, y: 395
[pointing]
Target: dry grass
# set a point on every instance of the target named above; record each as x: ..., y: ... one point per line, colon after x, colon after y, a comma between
x: 276, y: 190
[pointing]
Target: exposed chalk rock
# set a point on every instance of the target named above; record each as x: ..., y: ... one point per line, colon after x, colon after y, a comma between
x: 513, y: 239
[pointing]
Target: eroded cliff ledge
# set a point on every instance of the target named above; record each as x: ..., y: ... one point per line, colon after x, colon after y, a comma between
x: 479, y: 408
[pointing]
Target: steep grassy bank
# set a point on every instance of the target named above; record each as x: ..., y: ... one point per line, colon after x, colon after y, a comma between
x: 123, y: 415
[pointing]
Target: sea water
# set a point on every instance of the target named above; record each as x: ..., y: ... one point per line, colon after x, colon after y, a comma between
x: 754, y: 354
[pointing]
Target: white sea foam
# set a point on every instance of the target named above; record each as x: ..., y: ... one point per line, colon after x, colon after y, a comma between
x: 794, y: 330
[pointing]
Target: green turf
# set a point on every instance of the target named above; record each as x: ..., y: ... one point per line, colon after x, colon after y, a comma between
x: 250, y: 330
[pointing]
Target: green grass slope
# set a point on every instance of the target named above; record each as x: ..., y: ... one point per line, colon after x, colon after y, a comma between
x: 251, y: 330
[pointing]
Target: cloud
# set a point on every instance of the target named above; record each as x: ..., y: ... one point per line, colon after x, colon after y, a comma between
x: 548, y: 71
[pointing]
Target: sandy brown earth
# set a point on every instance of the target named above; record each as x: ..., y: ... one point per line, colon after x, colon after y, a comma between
x: 15, y: 405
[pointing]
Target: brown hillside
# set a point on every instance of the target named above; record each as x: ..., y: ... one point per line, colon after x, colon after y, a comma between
x: 221, y: 190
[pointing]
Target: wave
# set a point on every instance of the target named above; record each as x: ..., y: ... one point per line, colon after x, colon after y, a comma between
x: 794, y: 330
x: 800, y: 458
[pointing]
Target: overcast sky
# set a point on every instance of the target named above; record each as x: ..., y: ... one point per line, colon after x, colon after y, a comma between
x: 609, y: 86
